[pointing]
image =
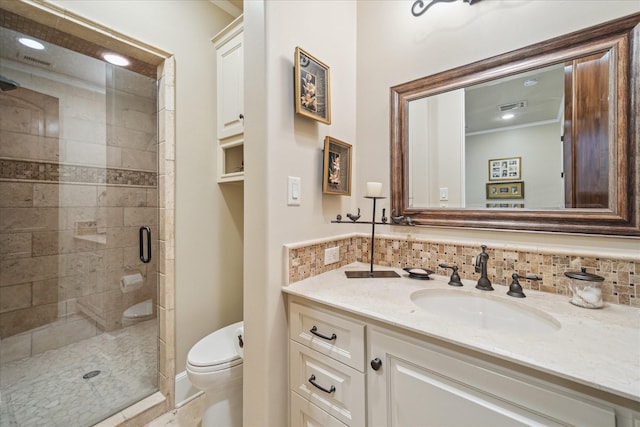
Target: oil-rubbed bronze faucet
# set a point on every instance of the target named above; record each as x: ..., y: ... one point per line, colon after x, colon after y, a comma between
x: 481, y: 267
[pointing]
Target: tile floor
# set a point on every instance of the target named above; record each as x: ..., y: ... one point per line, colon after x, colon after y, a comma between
x: 49, y: 389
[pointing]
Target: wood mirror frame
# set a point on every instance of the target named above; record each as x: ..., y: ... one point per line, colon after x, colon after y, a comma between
x: 622, y: 219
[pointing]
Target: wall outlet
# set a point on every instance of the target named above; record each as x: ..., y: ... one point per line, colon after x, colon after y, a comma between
x: 331, y: 255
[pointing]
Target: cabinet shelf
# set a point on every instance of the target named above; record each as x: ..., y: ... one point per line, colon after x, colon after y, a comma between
x: 230, y: 102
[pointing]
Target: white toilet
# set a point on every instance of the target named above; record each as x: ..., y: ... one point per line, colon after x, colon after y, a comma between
x: 214, y: 365
x: 137, y: 313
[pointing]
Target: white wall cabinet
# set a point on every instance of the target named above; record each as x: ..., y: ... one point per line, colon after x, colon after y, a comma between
x: 410, y: 381
x: 230, y: 101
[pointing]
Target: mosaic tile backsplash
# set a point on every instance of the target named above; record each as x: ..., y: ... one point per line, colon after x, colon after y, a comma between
x: 620, y: 276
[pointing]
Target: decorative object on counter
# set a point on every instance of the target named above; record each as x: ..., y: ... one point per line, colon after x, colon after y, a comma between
x: 401, y: 219
x: 585, y: 288
x: 482, y: 260
x: 420, y: 6
x: 353, y: 217
x: 396, y: 219
x: 418, y: 273
x: 515, y: 288
x: 374, y: 189
x: 336, y: 173
x: 454, y: 280
x: 338, y: 218
x: 384, y: 218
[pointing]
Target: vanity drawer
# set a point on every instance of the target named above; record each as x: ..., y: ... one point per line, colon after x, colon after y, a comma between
x: 306, y: 414
x: 339, y: 389
x: 338, y: 337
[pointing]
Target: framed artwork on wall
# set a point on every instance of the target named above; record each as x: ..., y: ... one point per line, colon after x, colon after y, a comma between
x: 509, y: 169
x: 336, y: 172
x: 312, y: 87
x: 505, y: 190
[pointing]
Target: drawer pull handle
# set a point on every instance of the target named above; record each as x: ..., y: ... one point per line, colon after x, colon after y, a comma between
x: 376, y: 364
x: 312, y: 380
x: 315, y: 332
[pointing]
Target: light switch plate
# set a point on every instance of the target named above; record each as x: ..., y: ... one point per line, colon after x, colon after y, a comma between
x: 444, y: 193
x: 294, y: 191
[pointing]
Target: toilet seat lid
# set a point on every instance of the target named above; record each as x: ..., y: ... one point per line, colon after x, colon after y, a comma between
x: 141, y: 309
x: 216, y: 348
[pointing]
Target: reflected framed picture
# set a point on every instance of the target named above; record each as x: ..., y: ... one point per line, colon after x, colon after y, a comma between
x: 336, y: 172
x: 505, y: 190
x: 312, y: 87
x: 509, y: 169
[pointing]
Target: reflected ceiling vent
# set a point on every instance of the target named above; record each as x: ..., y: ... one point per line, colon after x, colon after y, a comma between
x: 512, y: 106
x: 35, y: 61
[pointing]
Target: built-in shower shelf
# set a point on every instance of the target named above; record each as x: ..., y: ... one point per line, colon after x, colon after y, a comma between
x: 97, y: 238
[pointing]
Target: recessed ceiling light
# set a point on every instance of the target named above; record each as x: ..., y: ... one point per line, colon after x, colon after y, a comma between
x: 530, y: 82
x: 115, y: 59
x: 508, y: 116
x: 33, y: 44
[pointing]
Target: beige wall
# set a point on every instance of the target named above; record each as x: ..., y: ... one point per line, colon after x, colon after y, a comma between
x: 279, y: 144
x: 392, y: 47
x: 208, y: 236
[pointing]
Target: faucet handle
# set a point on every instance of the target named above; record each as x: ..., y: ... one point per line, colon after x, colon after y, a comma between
x: 515, y: 289
x: 454, y: 280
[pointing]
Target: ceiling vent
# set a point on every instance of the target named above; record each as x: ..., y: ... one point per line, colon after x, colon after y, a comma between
x: 512, y: 106
x: 36, y: 61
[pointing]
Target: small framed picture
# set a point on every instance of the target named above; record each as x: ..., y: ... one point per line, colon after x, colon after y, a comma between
x: 507, y: 169
x: 505, y: 190
x: 312, y: 96
x: 336, y: 171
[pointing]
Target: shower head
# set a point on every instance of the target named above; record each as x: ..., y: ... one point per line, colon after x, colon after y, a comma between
x: 7, y: 84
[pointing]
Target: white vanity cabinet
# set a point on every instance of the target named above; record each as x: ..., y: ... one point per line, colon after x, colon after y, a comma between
x: 230, y: 101
x: 421, y: 384
x: 326, y: 368
x: 385, y: 376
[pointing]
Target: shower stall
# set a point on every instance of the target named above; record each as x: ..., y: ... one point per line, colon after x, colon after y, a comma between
x: 78, y: 235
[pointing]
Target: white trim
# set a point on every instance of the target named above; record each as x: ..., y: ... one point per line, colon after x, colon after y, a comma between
x: 185, y: 391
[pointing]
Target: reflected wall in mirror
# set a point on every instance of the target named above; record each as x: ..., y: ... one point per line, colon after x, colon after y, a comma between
x: 563, y: 107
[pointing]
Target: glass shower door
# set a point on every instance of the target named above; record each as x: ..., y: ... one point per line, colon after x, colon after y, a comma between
x: 78, y: 180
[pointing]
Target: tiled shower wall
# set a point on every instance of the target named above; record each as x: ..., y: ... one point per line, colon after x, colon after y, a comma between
x: 619, y: 286
x: 70, y: 208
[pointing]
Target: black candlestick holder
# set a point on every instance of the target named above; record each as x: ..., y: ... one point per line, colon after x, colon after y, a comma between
x: 371, y: 272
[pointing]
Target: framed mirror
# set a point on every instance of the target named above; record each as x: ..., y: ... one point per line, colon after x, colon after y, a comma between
x: 557, y: 119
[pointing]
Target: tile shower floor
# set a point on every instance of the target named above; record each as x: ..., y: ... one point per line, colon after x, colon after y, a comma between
x: 49, y: 389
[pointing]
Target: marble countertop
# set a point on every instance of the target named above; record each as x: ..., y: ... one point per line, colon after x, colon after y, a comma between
x: 599, y: 348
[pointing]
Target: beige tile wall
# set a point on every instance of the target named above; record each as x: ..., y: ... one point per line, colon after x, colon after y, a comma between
x: 98, y: 171
x: 619, y: 286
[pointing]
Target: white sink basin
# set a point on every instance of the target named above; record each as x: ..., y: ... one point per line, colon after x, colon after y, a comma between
x: 484, y: 311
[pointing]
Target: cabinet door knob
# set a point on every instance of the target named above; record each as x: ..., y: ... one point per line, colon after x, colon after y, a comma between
x: 376, y: 364
x: 241, y: 116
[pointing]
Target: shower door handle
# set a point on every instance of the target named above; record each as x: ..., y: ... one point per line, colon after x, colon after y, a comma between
x: 145, y: 257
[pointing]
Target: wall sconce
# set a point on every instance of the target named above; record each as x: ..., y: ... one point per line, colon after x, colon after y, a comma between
x: 419, y: 6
